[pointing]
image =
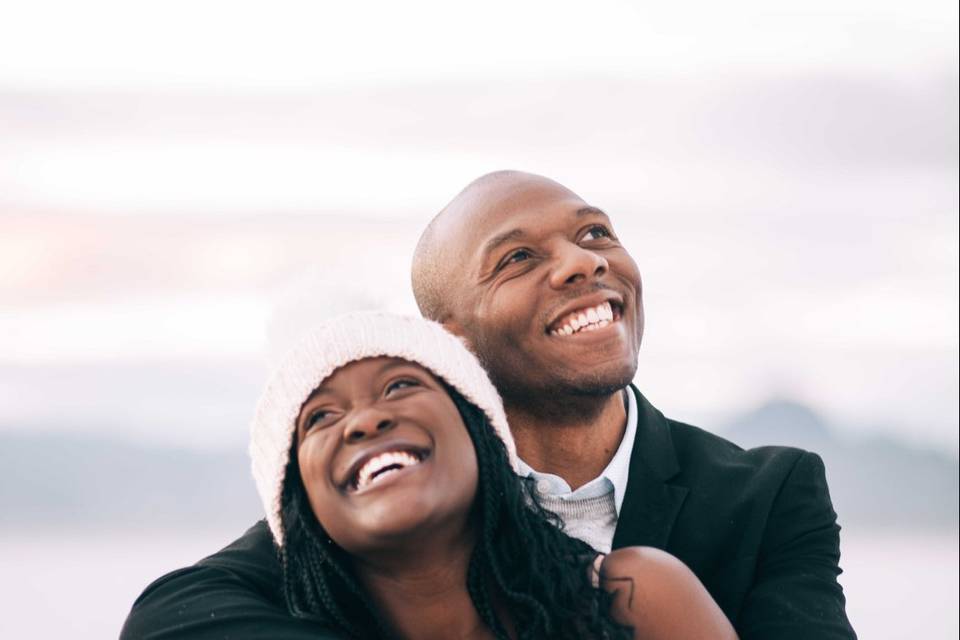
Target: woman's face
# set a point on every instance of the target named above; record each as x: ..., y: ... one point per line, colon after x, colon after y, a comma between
x: 384, y: 456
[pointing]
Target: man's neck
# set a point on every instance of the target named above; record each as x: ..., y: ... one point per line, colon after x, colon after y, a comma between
x: 575, y: 440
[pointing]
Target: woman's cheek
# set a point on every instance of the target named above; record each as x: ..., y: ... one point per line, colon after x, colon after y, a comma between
x: 312, y: 461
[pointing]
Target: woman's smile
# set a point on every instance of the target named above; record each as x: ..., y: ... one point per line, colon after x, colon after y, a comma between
x: 387, y: 464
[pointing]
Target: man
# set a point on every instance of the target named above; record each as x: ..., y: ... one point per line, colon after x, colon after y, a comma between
x: 536, y: 282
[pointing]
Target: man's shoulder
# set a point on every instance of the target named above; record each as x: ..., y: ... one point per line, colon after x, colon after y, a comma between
x: 233, y: 593
x: 252, y: 553
x: 697, y: 443
x: 705, y: 458
x: 249, y: 561
x: 672, y: 445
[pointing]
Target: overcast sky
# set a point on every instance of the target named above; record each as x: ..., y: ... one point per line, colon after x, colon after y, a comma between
x: 302, y: 43
x: 170, y: 173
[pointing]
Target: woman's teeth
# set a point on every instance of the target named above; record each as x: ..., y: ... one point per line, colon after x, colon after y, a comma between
x: 589, y: 319
x: 382, y: 465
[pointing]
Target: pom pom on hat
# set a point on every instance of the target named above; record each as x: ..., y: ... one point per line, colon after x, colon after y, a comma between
x: 335, y: 343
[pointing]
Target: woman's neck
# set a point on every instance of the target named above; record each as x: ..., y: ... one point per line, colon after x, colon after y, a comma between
x: 422, y: 593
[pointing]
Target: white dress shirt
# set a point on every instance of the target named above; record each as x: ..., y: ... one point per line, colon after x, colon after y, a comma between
x: 591, y: 511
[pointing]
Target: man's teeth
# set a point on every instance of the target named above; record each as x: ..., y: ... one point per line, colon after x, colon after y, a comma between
x: 585, y: 320
x: 377, y: 467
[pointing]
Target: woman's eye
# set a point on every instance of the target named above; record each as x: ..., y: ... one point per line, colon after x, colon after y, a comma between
x: 597, y: 232
x: 397, y: 385
x: 315, y: 418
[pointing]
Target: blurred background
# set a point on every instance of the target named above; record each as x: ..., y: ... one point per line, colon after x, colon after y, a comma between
x: 171, y: 174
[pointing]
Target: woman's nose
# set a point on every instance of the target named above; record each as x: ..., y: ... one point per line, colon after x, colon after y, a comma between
x: 576, y: 264
x: 367, y: 423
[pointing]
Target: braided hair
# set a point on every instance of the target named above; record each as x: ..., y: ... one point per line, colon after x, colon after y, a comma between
x: 522, y: 559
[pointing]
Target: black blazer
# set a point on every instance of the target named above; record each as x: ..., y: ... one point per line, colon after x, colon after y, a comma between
x: 756, y: 526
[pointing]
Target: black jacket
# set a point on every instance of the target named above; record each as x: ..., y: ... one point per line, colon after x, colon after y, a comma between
x: 756, y: 526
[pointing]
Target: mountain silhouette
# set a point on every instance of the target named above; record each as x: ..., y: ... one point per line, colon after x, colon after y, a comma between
x: 78, y: 479
x: 874, y: 480
x: 72, y: 479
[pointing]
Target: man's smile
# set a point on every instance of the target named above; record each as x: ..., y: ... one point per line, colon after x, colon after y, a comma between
x: 586, y: 314
x: 586, y: 319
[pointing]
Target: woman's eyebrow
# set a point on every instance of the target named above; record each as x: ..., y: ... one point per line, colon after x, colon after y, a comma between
x: 412, y: 368
x: 397, y: 363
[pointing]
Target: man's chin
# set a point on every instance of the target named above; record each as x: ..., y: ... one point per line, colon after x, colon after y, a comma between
x: 554, y: 381
x: 598, y: 382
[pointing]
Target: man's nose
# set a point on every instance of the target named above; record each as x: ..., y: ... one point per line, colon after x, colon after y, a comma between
x: 575, y: 264
x: 366, y: 423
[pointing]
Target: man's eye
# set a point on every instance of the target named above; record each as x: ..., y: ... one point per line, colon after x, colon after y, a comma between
x: 517, y: 256
x: 397, y: 385
x: 596, y: 232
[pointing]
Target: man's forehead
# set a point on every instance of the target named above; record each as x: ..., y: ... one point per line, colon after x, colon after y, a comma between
x: 492, y: 203
x: 523, y: 212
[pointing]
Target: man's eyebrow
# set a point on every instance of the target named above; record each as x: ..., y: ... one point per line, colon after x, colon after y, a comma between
x: 587, y: 211
x: 501, y: 239
x: 505, y: 237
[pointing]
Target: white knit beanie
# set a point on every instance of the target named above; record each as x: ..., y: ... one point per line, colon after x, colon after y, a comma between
x: 337, y: 342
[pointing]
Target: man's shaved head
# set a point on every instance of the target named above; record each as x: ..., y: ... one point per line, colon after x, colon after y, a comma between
x: 518, y: 266
x: 435, y: 273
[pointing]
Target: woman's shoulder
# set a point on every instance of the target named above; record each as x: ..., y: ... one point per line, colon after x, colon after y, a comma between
x: 651, y: 576
x: 660, y: 597
x: 645, y: 562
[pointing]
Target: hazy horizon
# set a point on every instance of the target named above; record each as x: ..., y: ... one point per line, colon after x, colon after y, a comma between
x: 786, y: 177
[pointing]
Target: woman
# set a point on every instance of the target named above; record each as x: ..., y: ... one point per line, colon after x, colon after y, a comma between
x: 382, y: 454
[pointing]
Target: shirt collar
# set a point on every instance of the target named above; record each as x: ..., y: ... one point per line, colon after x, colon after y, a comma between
x: 616, y: 472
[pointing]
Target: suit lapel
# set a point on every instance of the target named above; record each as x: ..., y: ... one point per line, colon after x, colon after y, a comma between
x: 651, y: 503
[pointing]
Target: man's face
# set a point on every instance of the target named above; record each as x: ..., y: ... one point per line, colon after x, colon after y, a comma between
x: 551, y: 301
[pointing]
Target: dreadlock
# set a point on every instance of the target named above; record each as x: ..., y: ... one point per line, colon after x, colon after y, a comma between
x: 522, y: 559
